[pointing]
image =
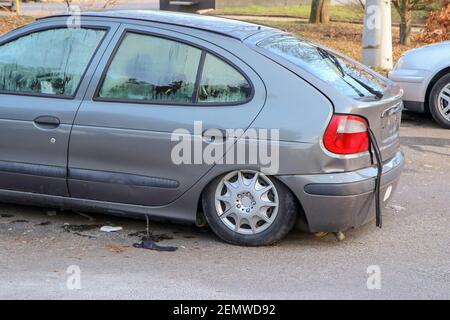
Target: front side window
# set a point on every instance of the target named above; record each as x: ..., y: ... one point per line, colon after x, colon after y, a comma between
x: 149, y: 68
x: 349, y: 78
x: 48, y: 62
x: 221, y: 83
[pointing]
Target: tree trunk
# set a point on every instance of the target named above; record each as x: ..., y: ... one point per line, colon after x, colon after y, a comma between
x: 325, y: 13
x: 320, y: 11
x: 405, y: 27
x: 316, y: 10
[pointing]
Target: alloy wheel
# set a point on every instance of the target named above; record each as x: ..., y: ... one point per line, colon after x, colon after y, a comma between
x: 444, y: 102
x: 246, y: 201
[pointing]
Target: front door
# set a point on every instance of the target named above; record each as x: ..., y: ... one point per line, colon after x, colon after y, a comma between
x: 41, y: 70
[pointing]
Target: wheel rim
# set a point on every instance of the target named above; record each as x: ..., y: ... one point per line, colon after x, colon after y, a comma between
x: 444, y: 102
x: 246, y: 202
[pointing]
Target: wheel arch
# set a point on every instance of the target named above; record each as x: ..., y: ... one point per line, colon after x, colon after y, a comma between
x: 201, y: 221
x: 431, y: 84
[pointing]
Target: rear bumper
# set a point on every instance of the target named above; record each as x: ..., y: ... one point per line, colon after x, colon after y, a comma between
x: 340, y: 201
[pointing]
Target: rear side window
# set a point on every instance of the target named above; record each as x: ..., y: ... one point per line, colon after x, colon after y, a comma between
x: 220, y: 82
x: 154, y: 69
x: 50, y: 62
x: 349, y: 78
x: 151, y: 68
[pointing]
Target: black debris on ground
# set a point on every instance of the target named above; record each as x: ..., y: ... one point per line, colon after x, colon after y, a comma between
x: 148, y: 242
x: 151, y: 245
x: 5, y: 215
x: 84, y: 235
x: 78, y: 228
x: 45, y: 223
x: 19, y: 221
x: 152, y: 237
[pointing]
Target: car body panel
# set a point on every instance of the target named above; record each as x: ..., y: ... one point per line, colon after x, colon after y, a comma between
x: 371, y: 110
x: 34, y: 157
x: 417, y: 69
x: 119, y: 152
x: 345, y: 199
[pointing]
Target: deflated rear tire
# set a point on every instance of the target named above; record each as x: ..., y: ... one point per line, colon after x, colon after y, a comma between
x: 249, y: 208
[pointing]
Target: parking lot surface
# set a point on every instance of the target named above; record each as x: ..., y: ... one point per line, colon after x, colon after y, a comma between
x: 38, y: 246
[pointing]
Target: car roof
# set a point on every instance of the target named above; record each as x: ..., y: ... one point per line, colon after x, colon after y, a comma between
x: 227, y: 27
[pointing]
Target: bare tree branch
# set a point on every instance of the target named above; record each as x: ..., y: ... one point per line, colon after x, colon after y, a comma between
x: 362, y: 4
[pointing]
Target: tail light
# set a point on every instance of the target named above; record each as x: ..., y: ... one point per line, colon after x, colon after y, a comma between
x: 346, y: 134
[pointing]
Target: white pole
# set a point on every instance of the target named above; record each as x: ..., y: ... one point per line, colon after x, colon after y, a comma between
x: 377, y: 35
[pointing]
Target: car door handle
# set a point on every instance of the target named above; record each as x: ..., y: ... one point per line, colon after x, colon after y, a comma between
x: 47, y: 122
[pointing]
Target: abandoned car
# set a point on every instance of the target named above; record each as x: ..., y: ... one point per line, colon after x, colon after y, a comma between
x: 94, y: 111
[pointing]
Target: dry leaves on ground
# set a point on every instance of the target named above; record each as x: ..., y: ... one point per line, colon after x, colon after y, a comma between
x: 10, y: 22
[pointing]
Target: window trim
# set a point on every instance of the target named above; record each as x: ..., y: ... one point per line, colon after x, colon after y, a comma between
x: 194, y: 102
x: 198, y: 79
x: 55, y: 27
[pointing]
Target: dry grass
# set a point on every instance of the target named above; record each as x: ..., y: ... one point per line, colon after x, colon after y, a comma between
x: 341, y: 13
x: 10, y: 22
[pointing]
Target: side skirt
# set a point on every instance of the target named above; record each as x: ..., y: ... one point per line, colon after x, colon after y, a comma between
x: 136, y: 211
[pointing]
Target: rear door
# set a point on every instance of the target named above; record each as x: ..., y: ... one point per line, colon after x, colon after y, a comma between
x: 44, y: 71
x: 150, y: 89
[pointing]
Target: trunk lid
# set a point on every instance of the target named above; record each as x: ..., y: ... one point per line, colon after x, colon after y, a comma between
x: 351, y: 87
x: 384, y: 117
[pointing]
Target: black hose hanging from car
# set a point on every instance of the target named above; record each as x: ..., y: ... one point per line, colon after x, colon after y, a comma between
x: 377, y: 152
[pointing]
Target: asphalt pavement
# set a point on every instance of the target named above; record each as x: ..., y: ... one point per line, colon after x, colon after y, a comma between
x: 48, y: 254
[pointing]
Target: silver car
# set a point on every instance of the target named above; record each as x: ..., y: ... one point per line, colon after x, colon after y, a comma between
x: 99, y: 113
x: 424, y: 75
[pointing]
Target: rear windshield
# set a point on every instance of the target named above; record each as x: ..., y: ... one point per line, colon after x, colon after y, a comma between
x: 349, y: 78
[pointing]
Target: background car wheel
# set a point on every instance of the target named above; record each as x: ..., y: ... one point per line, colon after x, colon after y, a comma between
x: 440, y: 102
x: 249, y: 208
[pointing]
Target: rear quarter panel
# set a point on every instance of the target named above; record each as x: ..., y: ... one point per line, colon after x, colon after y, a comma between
x: 306, y: 102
